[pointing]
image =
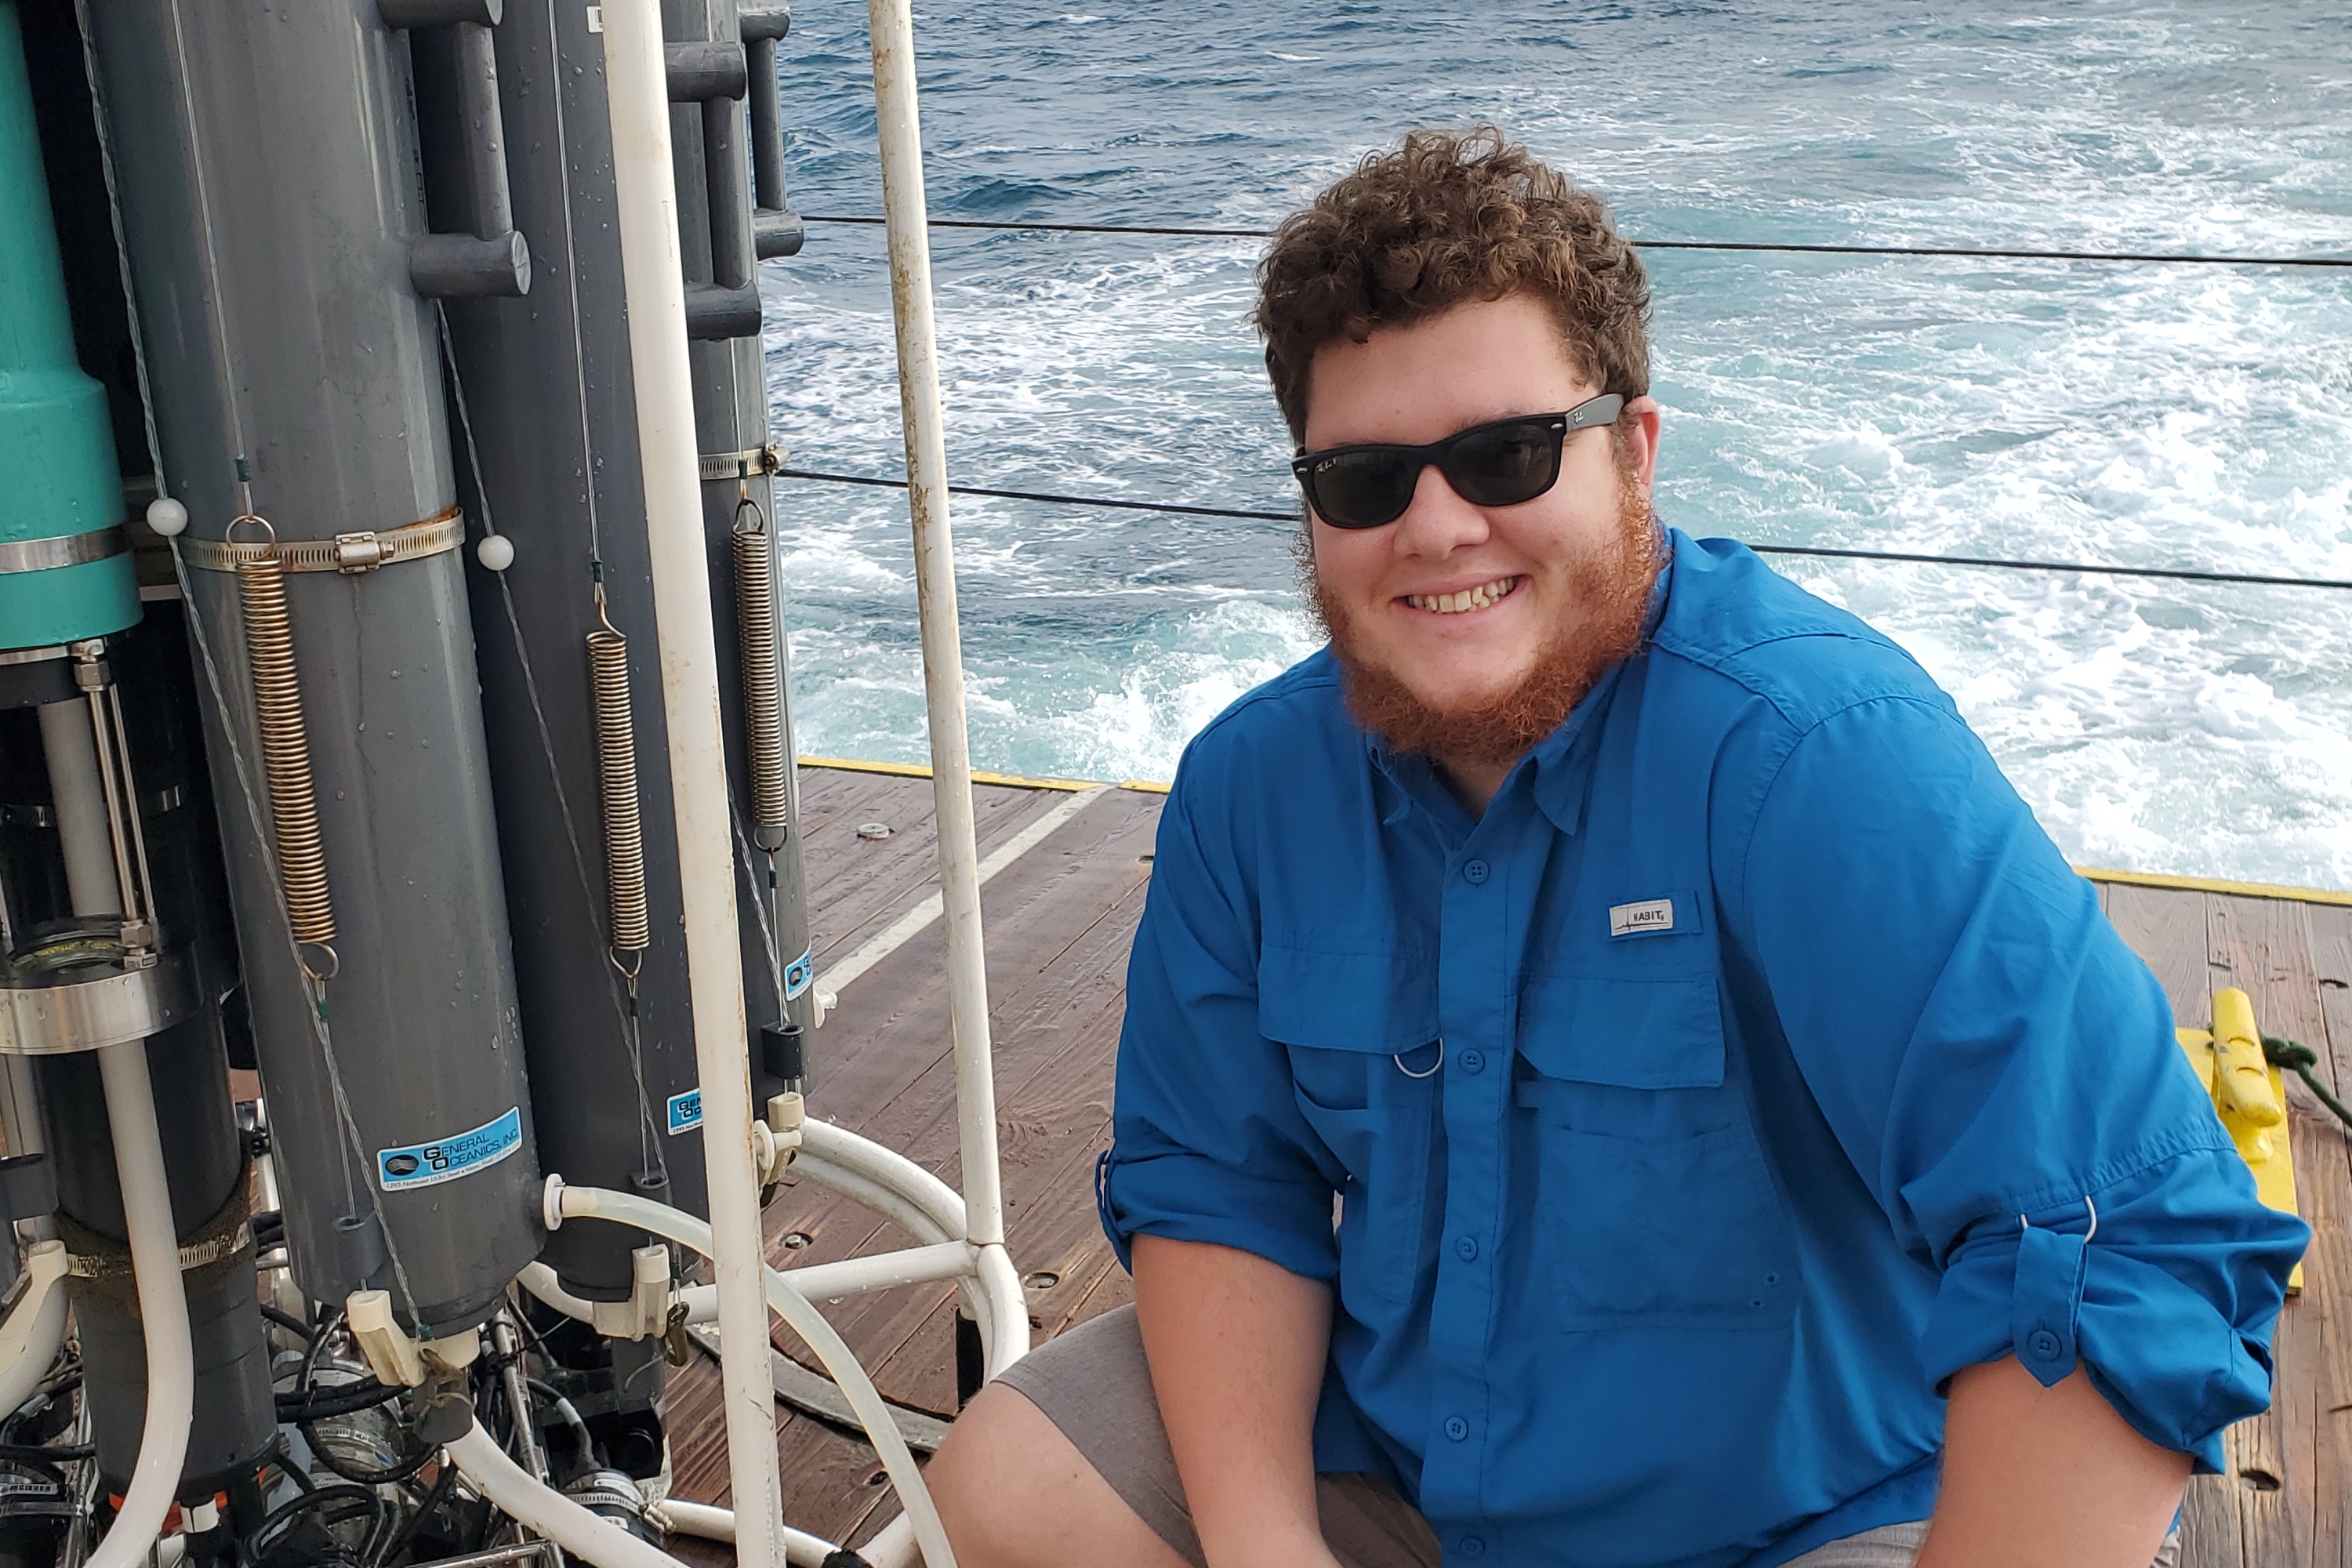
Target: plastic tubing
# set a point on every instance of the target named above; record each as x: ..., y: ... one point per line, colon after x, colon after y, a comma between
x: 162, y: 1308
x: 35, y: 1328
x: 802, y: 1550
x: 803, y: 1318
x: 652, y: 278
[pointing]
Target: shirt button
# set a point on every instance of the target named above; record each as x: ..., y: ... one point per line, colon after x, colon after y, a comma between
x: 1475, y: 870
x: 1472, y: 1061
x: 1456, y: 1428
x: 2045, y: 1345
x: 1466, y: 1247
x: 1474, y: 1546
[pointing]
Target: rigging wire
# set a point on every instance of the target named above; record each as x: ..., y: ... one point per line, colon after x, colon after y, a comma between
x: 1981, y: 252
x: 2175, y: 573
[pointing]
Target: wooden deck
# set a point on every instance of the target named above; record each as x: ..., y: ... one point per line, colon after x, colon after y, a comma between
x: 1059, y: 917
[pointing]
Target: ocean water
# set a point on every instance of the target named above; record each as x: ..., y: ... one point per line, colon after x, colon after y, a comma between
x: 2149, y: 416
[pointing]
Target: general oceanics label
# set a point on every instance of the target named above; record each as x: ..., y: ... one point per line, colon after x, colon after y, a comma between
x: 430, y: 1165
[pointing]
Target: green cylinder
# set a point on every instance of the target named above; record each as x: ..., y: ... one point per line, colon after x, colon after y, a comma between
x: 65, y: 562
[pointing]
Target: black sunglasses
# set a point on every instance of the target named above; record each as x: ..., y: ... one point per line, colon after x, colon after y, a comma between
x: 1501, y: 463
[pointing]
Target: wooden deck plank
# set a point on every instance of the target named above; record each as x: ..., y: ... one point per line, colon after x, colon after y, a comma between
x: 2322, y: 1143
x: 2291, y: 1460
x: 856, y: 886
x: 1055, y: 1026
x: 1058, y: 923
x: 2168, y: 930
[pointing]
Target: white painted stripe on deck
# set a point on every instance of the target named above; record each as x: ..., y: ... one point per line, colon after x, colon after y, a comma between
x: 830, y: 985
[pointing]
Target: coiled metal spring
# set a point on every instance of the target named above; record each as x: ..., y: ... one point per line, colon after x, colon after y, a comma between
x: 285, y: 747
x: 616, y: 769
x: 764, y: 704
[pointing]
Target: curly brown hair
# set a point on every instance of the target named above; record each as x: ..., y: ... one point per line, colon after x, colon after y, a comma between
x: 1444, y: 218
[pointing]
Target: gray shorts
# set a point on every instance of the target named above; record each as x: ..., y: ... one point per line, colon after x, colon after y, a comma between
x: 1093, y: 1383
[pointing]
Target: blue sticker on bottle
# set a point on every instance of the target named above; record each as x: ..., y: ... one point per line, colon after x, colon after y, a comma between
x: 430, y: 1165
x: 798, y: 972
x: 685, y: 1111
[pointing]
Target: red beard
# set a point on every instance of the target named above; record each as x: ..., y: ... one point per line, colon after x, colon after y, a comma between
x: 1611, y: 588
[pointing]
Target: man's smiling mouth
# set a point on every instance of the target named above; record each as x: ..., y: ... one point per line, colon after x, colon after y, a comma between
x: 1477, y: 598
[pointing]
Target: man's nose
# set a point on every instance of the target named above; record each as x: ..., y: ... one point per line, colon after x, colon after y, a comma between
x: 1439, y: 521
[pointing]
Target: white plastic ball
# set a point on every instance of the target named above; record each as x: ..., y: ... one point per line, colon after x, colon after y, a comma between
x: 496, y: 551
x: 167, y: 517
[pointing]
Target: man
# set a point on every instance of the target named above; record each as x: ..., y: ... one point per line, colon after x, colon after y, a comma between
x: 1749, y: 1143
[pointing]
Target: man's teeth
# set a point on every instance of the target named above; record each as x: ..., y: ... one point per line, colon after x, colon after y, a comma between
x: 1477, y: 598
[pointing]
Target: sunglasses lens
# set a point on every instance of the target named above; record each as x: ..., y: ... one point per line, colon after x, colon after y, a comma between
x: 1503, y: 465
x: 1362, y: 489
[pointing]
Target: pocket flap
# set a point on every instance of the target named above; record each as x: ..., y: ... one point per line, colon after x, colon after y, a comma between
x: 1344, y: 1001
x: 1626, y: 1034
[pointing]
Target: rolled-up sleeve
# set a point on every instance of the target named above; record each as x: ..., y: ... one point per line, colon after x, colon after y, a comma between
x: 1207, y: 1141
x: 2001, y: 1071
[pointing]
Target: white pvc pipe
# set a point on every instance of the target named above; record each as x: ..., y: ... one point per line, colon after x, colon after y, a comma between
x: 822, y: 1143
x: 891, y: 23
x: 906, y: 1212
x: 162, y: 1308
x: 70, y: 747
x: 542, y: 1282
x: 840, y: 1362
x: 919, y: 1216
x: 516, y: 1492
x: 35, y: 1326
x: 706, y: 1522
x: 817, y: 1281
x: 644, y: 201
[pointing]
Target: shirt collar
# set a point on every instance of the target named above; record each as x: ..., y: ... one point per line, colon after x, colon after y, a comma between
x: 1556, y: 781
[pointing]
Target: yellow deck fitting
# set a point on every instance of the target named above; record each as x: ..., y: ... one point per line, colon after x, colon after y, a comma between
x: 2249, y: 1096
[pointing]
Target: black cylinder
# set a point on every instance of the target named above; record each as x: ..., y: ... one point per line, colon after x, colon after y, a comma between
x: 204, y: 1160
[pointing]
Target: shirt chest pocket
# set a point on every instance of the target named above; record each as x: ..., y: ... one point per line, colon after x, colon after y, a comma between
x: 1655, y: 1207
x: 1364, y: 1058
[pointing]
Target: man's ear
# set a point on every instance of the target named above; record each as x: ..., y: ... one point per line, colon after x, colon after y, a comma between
x: 1637, y: 439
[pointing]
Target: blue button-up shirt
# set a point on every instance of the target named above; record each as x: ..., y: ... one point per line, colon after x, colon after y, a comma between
x: 1753, y: 1064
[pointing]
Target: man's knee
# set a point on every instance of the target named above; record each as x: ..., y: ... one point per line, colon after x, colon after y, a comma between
x: 1013, y: 1491
x: 994, y: 1473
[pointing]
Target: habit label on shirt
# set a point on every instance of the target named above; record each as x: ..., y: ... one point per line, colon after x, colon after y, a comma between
x: 1642, y: 919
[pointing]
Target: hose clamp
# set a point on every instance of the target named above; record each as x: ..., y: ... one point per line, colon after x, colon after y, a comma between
x: 62, y: 550
x: 202, y: 1253
x: 349, y: 554
x: 765, y: 459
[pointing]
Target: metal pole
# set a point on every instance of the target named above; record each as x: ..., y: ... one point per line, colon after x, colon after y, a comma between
x: 654, y: 278
x: 893, y: 28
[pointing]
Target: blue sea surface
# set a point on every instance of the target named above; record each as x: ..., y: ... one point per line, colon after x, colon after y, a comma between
x: 2196, y: 417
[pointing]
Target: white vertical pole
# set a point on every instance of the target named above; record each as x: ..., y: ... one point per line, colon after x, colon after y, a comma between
x: 893, y: 28
x: 645, y: 195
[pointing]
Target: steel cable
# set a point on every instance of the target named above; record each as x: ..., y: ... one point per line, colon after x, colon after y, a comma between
x: 2177, y: 573
x: 1791, y: 248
